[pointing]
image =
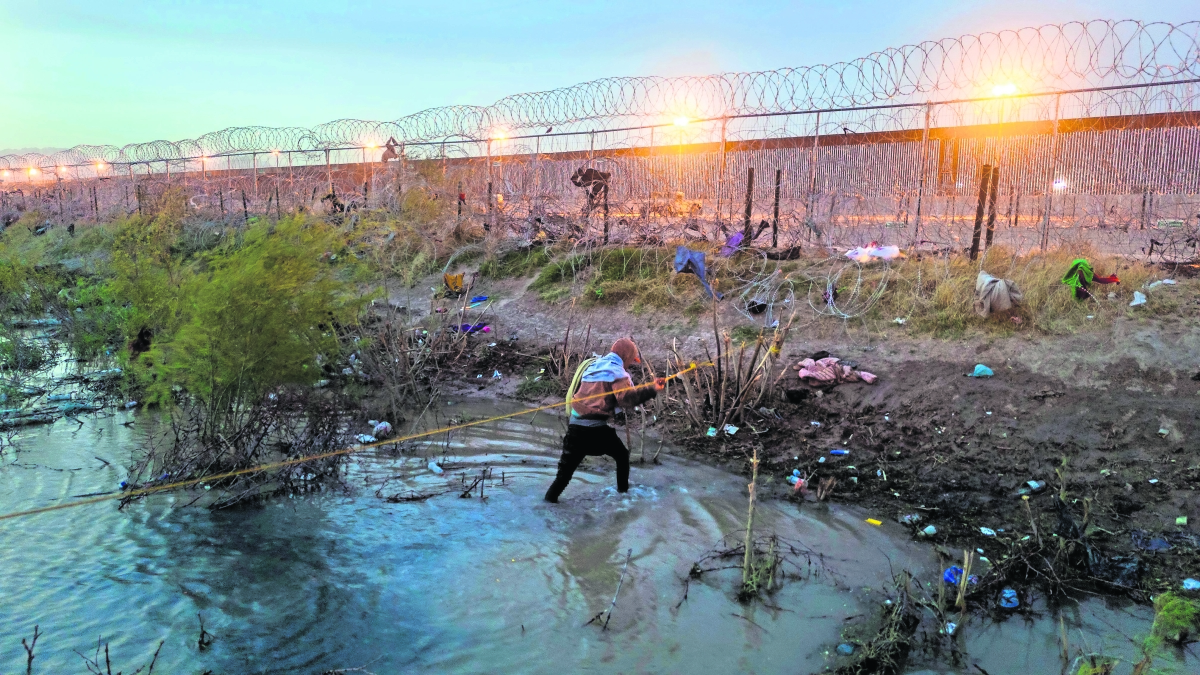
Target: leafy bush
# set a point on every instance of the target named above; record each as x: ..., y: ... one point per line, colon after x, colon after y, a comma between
x: 258, y: 317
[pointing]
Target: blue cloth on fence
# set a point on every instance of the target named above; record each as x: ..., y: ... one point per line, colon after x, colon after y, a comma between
x: 687, y: 260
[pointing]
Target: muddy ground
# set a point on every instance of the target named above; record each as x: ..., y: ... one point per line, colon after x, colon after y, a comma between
x: 1114, y: 410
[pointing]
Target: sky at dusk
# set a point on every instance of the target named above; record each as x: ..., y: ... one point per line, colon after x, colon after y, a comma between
x: 124, y: 71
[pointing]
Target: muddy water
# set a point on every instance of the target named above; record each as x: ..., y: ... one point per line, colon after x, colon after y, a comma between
x: 450, y: 584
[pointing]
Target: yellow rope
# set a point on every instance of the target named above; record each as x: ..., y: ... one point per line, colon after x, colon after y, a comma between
x: 575, y: 380
x: 300, y: 460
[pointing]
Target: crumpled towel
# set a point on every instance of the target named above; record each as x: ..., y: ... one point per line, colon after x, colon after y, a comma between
x: 829, y: 371
x: 994, y: 295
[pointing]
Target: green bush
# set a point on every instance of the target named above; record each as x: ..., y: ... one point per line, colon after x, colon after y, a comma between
x: 256, y: 318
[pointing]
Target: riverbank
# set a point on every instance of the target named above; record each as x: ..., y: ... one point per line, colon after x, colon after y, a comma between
x: 1103, y: 420
x: 1070, y: 470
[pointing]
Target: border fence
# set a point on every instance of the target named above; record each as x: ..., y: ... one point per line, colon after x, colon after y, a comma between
x: 1063, y: 133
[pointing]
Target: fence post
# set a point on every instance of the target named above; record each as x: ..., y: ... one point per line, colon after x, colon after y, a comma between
x: 245, y: 207
x: 775, y: 216
x: 650, y: 176
x: 921, y: 178
x: 461, y: 196
x: 167, y: 164
x: 985, y: 177
x: 991, y: 221
x: 95, y: 203
x: 328, y: 171
x: 749, y: 205
x: 1053, y: 171
x: 812, y: 176
x: 487, y: 225
x: 254, y: 164
x: 606, y: 213
x: 721, y: 171
x: 400, y: 175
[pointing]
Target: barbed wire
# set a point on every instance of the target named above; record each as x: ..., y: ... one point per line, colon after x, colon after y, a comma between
x: 1096, y: 53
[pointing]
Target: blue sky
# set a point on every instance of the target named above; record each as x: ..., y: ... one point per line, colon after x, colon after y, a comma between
x: 113, y: 71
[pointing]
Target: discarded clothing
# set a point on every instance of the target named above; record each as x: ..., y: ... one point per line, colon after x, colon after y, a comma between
x: 756, y: 307
x: 792, y: 253
x: 454, y: 283
x: 731, y: 246
x: 1148, y: 542
x: 472, y: 328
x: 994, y: 295
x: 828, y: 371
x: 687, y: 260
x: 873, y: 251
x: 1139, y: 298
x: 1080, y: 276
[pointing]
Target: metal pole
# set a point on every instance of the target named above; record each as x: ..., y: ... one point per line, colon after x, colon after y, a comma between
x: 721, y: 173
x: 985, y: 178
x: 1053, y: 171
x: 328, y: 171
x: 254, y: 163
x: 650, y: 175
x: 991, y: 221
x: 775, y: 215
x: 488, y: 225
x: 812, y: 174
x: 749, y: 205
x: 921, y: 178
x: 400, y: 177
x: 167, y: 163
x: 537, y: 175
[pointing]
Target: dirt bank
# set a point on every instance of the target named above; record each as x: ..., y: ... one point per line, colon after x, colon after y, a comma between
x: 1106, y: 419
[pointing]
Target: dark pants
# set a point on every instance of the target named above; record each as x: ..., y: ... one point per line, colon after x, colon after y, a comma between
x: 583, y: 442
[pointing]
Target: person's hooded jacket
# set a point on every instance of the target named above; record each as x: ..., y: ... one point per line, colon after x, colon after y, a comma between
x: 607, y: 374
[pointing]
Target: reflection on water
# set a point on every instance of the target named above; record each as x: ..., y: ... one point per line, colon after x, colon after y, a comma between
x: 450, y: 584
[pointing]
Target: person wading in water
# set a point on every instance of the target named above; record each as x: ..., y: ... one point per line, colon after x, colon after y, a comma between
x: 588, y: 433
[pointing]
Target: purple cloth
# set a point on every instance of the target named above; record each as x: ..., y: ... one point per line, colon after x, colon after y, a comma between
x: 731, y: 246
